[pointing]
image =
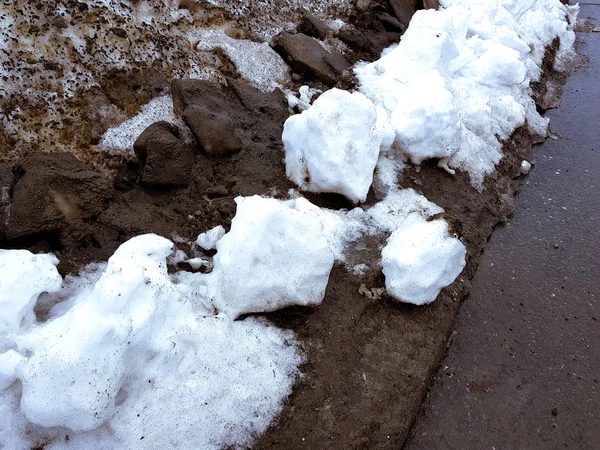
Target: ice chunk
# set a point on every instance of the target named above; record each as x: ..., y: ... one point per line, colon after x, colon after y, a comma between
x: 208, y: 240
x: 274, y: 256
x: 335, y: 144
x: 421, y: 259
x: 525, y: 167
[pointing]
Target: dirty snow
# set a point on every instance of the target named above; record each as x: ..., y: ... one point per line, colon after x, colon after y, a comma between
x: 254, y: 61
x: 457, y: 85
x: 120, y: 139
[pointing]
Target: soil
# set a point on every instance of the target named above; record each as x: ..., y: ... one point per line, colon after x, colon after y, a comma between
x: 369, y: 359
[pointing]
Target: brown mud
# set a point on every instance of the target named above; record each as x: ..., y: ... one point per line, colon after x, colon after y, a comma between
x: 369, y: 359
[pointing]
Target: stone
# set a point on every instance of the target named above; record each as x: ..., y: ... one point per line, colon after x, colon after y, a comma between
x: 165, y: 160
x: 431, y: 4
x: 54, y: 191
x: 305, y: 55
x: 312, y: 26
x: 367, y: 41
x: 215, y: 132
x: 404, y: 9
x: 209, y: 94
x: 391, y: 23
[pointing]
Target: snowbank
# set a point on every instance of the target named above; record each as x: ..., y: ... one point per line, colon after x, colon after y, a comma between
x: 457, y: 85
x: 334, y: 145
x: 138, y: 360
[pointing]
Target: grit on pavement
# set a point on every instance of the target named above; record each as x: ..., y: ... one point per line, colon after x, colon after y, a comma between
x: 523, y: 369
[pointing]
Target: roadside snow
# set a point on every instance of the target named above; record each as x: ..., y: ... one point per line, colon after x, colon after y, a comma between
x: 133, y: 357
x: 137, y: 361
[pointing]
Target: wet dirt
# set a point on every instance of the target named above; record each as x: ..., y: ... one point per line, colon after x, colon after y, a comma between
x: 369, y: 359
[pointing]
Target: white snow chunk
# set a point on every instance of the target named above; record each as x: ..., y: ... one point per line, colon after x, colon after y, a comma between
x: 274, y: 256
x: 335, y: 144
x: 208, y: 240
x: 421, y: 259
x: 23, y: 277
x: 525, y: 167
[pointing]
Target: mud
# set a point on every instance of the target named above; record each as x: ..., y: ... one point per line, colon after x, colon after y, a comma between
x: 369, y: 359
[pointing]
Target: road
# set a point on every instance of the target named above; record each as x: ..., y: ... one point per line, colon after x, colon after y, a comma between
x: 523, y: 370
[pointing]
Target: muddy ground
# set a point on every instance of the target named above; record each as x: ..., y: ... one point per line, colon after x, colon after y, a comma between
x: 369, y: 359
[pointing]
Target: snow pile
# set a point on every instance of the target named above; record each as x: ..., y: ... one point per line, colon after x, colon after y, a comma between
x: 334, y: 145
x: 275, y: 255
x: 256, y: 62
x: 420, y: 259
x: 137, y: 360
x: 120, y: 139
x: 457, y: 85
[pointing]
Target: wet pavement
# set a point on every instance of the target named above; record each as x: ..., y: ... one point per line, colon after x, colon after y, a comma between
x: 523, y: 370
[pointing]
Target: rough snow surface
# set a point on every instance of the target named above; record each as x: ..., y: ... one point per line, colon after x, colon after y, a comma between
x: 457, y: 85
x: 420, y: 259
x: 24, y: 276
x: 275, y: 255
x: 254, y: 61
x: 335, y: 144
x: 137, y: 360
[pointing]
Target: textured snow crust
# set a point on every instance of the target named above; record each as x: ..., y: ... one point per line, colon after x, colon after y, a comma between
x: 137, y: 360
x: 457, y: 85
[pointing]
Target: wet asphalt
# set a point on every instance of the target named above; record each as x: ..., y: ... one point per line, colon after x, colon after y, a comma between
x: 523, y: 369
